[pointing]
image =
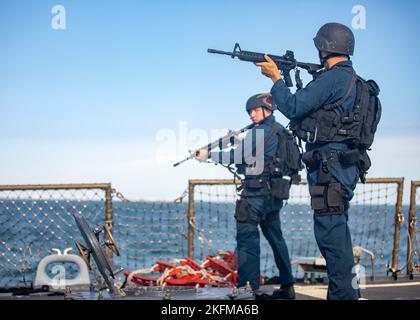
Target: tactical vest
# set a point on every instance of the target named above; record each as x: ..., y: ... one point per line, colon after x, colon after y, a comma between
x: 281, y: 170
x: 356, y: 128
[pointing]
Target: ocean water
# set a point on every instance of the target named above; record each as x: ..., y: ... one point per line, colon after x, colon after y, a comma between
x: 146, y: 232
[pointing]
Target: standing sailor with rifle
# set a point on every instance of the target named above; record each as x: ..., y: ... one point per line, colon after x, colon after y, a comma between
x: 265, y: 187
x: 336, y: 115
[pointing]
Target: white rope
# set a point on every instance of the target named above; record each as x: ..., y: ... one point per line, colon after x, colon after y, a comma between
x: 140, y: 271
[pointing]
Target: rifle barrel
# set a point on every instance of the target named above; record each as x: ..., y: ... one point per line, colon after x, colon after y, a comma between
x: 216, y: 143
x: 219, y: 52
x: 182, y: 161
x: 249, y: 55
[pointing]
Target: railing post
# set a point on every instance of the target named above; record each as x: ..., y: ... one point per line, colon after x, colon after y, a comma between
x: 411, y: 226
x: 109, y: 216
x: 191, y: 219
x: 399, y: 216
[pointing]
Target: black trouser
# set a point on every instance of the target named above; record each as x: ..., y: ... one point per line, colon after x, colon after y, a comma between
x: 248, y: 240
x: 332, y: 232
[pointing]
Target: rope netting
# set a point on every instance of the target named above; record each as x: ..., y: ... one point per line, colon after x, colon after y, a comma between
x: 32, y: 222
x: 148, y: 231
x: 371, y: 220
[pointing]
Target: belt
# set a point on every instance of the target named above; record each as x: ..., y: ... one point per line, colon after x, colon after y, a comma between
x: 313, y: 158
x: 255, y: 183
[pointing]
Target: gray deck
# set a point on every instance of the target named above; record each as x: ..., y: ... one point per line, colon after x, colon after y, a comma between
x: 381, y: 289
x: 384, y: 289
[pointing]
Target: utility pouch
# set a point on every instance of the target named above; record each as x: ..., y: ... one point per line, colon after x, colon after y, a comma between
x: 280, y: 188
x: 349, y: 157
x: 334, y: 197
x: 310, y: 160
x: 242, y: 211
x: 327, y: 199
x: 364, y: 165
x: 317, y: 197
x: 364, y: 162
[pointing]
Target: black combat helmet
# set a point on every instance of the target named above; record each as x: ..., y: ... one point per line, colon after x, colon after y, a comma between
x: 335, y: 38
x: 263, y: 100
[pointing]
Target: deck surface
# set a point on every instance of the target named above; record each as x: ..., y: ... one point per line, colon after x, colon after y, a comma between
x: 378, y: 290
x: 385, y: 289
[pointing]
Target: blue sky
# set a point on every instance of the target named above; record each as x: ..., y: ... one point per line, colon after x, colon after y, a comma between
x: 86, y: 103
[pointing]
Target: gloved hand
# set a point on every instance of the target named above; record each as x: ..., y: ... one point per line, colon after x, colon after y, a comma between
x: 202, y: 155
x: 269, y: 69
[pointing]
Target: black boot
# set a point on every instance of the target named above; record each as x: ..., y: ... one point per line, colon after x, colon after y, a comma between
x: 287, y: 292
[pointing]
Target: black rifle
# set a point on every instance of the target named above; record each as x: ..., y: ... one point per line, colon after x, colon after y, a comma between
x: 285, y: 63
x: 221, y: 142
